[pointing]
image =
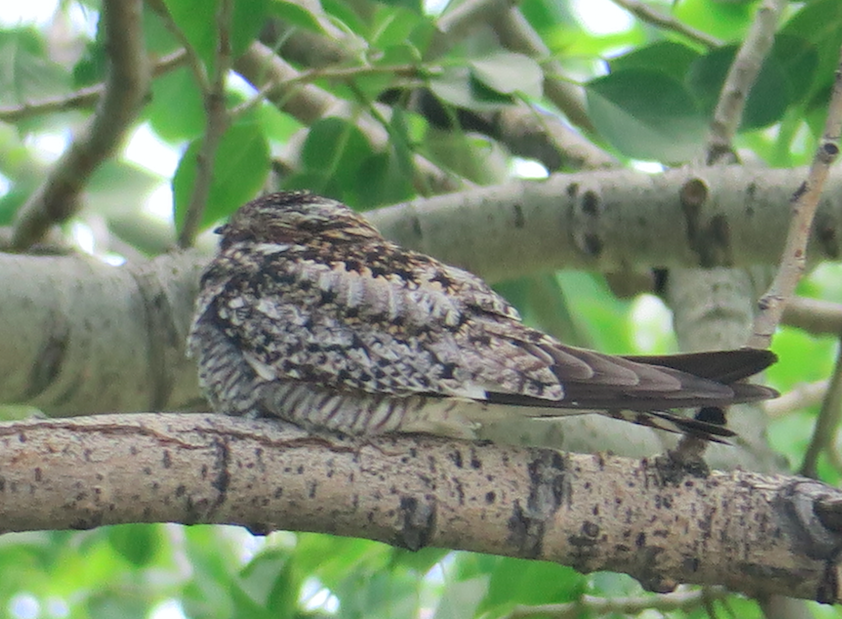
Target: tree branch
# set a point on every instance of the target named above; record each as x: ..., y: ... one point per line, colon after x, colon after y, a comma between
x: 216, y: 122
x: 659, y: 523
x: 127, y: 84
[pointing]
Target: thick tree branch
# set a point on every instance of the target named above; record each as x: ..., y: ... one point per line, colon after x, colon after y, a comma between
x: 657, y: 522
x: 128, y: 80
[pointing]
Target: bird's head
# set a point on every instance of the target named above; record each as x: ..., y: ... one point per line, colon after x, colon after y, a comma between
x: 295, y: 217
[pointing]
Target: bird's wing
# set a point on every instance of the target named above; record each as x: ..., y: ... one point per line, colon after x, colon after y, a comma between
x: 419, y: 326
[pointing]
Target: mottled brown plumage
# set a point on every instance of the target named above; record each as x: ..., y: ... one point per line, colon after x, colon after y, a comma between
x: 308, y: 314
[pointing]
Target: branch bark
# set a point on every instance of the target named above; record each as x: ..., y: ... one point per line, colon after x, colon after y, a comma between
x: 127, y: 84
x: 660, y: 523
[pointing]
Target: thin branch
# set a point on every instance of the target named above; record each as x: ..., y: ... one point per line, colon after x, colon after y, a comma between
x: 814, y: 316
x: 126, y: 87
x: 340, y: 73
x: 799, y: 397
x: 216, y: 122
x: 827, y: 423
x: 649, y: 15
x: 308, y: 103
x: 84, y: 97
x: 740, y: 79
x: 197, y: 67
x: 660, y: 523
x: 729, y: 109
x: 589, y: 605
x: 804, y: 203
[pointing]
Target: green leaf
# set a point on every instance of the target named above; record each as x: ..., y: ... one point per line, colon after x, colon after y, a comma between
x: 799, y: 61
x: 724, y: 20
x: 343, y: 11
x: 458, y: 86
x: 197, y: 21
x: 415, y: 6
x: 393, y: 25
x: 239, y: 171
x: 176, y: 111
x: 820, y: 23
x: 646, y: 115
x: 336, y: 147
x: 248, y: 18
x: 508, y: 73
x: 461, y: 598
x: 518, y: 581
x: 673, y: 59
x: 767, y: 100
x: 137, y: 543
x: 295, y: 15
x: 26, y: 71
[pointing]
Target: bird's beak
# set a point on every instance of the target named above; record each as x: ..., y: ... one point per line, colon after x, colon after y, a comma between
x: 221, y: 229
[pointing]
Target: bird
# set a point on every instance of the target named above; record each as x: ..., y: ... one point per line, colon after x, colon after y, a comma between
x: 309, y: 315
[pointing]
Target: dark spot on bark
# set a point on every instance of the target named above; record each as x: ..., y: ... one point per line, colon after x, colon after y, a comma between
x: 694, y: 193
x: 490, y: 497
x: 416, y: 226
x: 50, y: 359
x: 38, y: 474
x: 519, y: 219
x: 456, y: 457
x: 590, y: 203
x: 418, y: 523
x: 595, y: 510
x: 547, y: 491
x: 592, y: 245
x: 691, y: 564
x: 640, y: 542
x: 167, y: 459
x: 300, y: 470
x: 572, y: 189
x: 21, y: 437
x: 802, y: 189
x: 180, y: 491
x: 591, y: 529
x: 460, y: 491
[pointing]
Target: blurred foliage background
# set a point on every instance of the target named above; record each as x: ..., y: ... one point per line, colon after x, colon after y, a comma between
x: 392, y: 82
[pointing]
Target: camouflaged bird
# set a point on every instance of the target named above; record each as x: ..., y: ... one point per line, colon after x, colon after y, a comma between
x: 308, y: 314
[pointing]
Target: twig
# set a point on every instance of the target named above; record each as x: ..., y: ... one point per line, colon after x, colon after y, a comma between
x: 801, y: 396
x: 729, y: 110
x: 813, y: 315
x: 666, y: 22
x: 126, y: 87
x: 309, y: 76
x: 197, y: 67
x: 824, y: 432
x: 740, y: 79
x: 82, y: 98
x: 216, y: 123
x: 589, y: 605
x: 308, y: 103
x: 804, y: 202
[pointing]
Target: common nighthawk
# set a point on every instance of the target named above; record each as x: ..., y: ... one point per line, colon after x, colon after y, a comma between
x: 308, y: 314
